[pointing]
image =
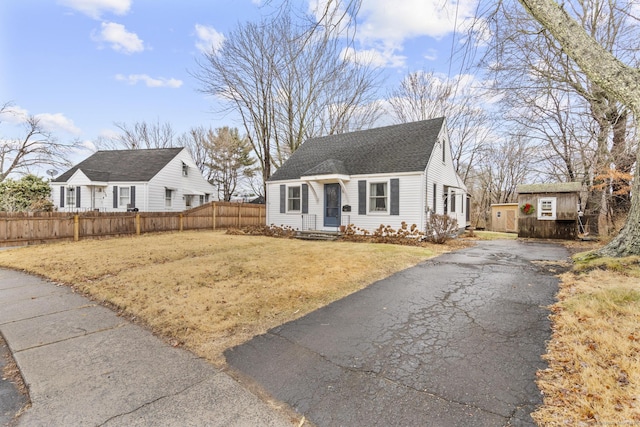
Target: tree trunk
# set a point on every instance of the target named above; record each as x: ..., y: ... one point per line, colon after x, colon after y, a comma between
x: 616, y: 79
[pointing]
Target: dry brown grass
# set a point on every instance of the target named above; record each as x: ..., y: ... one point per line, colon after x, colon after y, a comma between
x: 210, y: 291
x: 593, y: 376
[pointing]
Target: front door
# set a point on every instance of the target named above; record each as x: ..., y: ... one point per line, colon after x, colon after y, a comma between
x: 332, y: 205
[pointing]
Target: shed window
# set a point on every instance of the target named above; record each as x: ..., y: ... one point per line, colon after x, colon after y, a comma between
x: 378, y: 197
x: 124, y: 196
x: 547, y: 208
x: 293, y: 199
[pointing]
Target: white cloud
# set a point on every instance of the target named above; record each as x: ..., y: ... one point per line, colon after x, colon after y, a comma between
x: 208, y: 39
x: 57, y: 121
x: 119, y: 38
x: 14, y: 115
x: 431, y: 55
x: 385, y: 29
x: 413, y: 18
x: 95, y: 8
x: 133, y: 79
x: 50, y: 122
x: 373, y: 57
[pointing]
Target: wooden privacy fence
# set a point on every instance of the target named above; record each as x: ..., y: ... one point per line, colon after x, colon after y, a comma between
x: 23, y: 228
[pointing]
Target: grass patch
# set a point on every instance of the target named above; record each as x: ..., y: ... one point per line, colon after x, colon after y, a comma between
x: 588, y: 261
x: 490, y: 235
x: 594, y: 355
x: 210, y: 291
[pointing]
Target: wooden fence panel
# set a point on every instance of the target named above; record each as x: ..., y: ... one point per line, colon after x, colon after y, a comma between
x: 19, y: 228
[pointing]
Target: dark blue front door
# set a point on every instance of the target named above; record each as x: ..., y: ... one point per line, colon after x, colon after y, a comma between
x: 332, y: 205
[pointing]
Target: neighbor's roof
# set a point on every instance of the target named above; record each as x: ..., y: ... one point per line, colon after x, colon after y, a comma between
x: 559, y: 187
x: 123, y: 165
x: 399, y: 148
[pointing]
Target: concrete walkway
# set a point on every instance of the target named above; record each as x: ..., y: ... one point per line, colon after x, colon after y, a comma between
x: 85, y: 366
x: 455, y: 341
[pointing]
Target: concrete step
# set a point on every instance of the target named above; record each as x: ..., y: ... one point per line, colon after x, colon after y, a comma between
x: 317, y: 235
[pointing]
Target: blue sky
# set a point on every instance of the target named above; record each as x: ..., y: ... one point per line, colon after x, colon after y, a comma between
x: 81, y: 65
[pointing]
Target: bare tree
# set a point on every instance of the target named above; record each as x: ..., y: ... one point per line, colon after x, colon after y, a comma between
x: 494, y: 179
x: 196, y: 142
x: 425, y: 95
x: 289, y: 81
x: 35, y: 147
x: 139, y: 135
x: 230, y: 160
x: 617, y: 80
x: 583, y: 128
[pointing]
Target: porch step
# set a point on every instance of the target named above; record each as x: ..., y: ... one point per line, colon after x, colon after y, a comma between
x: 317, y: 235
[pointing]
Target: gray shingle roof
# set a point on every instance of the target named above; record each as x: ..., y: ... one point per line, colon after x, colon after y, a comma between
x: 123, y: 165
x: 398, y: 148
x: 558, y: 187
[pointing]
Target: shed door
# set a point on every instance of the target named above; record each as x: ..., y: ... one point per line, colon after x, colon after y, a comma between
x: 331, y: 205
x: 511, y: 220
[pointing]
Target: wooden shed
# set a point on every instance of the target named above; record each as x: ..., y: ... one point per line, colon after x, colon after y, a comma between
x: 549, y: 211
x: 504, y: 217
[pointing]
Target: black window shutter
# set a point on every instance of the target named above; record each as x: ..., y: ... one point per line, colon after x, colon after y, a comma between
x: 62, y: 197
x: 77, y: 197
x: 435, y: 196
x: 305, y: 198
x: 395, y: 196
x: 362, y: 197
x: 283, y: 198
x: 115, y: 196
x: 133, y: 196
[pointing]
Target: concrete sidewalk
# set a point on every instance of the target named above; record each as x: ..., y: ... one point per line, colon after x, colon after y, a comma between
x: 85, y: 366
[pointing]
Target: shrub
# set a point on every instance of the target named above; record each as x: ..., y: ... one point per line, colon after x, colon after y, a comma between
x: 440, y: 228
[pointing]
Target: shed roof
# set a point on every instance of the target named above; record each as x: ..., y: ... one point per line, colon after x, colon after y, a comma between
x: 398, y: 148
x: 123, y: 165
x: 558, y: 187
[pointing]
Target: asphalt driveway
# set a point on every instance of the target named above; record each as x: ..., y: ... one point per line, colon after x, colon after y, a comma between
x: 454, y: 341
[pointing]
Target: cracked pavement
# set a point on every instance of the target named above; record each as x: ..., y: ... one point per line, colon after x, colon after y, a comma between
x: 454, y: 341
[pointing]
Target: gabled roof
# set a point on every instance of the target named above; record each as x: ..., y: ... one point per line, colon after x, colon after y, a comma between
x: 398, y: 148
x: 328, y: 167
x: 123, y: 165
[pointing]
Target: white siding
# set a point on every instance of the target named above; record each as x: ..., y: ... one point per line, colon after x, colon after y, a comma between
x: 443, y: 175
x: 171, y: 177
x: 411, y: 203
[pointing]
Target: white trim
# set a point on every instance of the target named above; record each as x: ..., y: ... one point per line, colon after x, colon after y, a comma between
x: 553, y: 213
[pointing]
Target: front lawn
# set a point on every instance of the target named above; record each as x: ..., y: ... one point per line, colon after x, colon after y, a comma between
x: 208, y: 290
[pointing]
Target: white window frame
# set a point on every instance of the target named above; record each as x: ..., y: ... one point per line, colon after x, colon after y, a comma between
x: 547, y: 208
x: 373, y: 198
x: 124, y: 196
x: 185, y: 169
x: 291, y: 198
x: 70, y: 197
x: 168, y: 197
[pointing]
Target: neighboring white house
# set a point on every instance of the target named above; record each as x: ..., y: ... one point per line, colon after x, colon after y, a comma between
x: 387, y: 175
x: 154, y: 180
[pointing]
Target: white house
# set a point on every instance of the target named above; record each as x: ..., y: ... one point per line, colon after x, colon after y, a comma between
x: 387, y: 175
x: 165, y: 179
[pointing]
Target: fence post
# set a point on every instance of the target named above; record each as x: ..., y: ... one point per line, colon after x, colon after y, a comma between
x: 180, y: 222
x: 239, y: 215
x: 137, y: 224
x: 215, y: 208
x: 76, y: 228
